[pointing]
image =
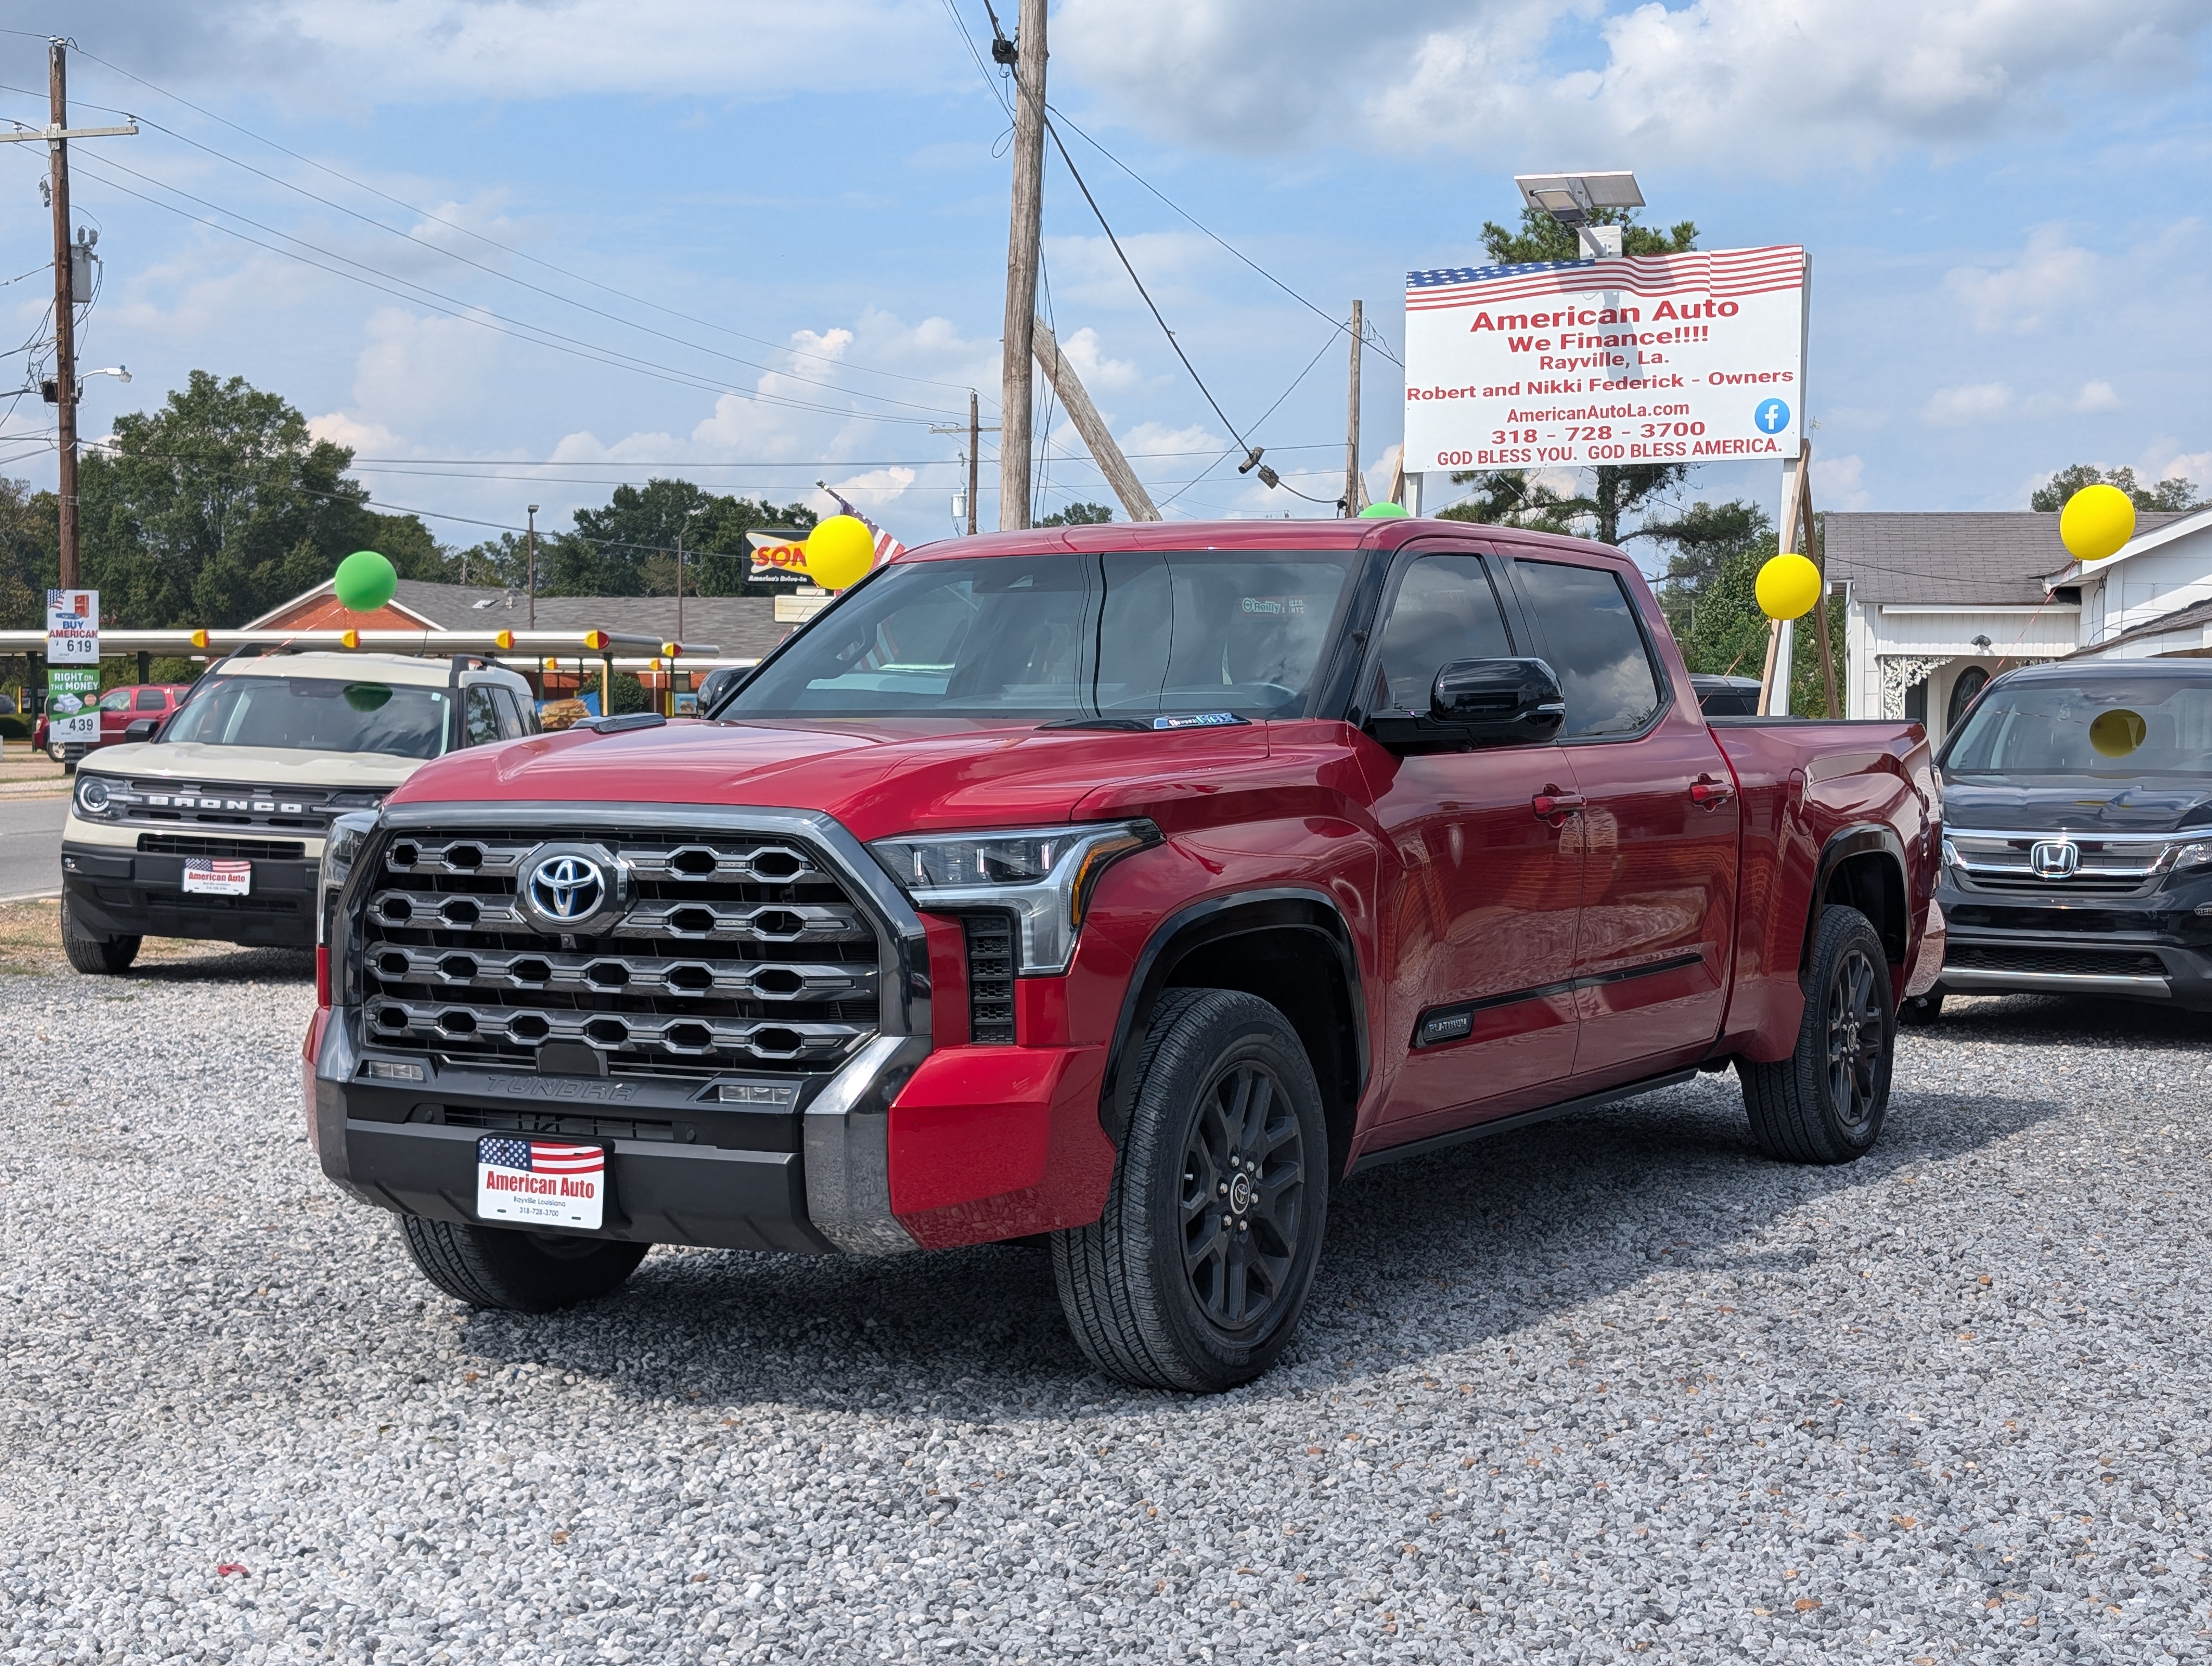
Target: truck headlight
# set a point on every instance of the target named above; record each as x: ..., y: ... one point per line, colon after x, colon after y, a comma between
x: 1042, y: 876
x: 342, y: 848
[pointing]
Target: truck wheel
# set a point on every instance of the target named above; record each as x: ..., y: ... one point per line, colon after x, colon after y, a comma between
x: 1921, y: 1009
x: 519, y: 1272
x: 1194, y: 1277
x: 1825, y: 1102
x: 98, y: 957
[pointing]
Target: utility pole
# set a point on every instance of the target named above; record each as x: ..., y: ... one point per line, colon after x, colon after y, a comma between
x: 1352, y: 423
x: 1092, y: 426
x: 975, y: 450
x: 1025, y: 231
x: 57, y: 134
x: 530, y: 569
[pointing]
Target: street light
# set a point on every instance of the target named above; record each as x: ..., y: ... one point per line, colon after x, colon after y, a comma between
x: 1572, y: 198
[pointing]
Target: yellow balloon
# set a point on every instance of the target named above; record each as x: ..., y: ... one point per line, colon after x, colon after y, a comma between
x: 2116, y: 732
x: 2097, y: 522
x: 840, y: 551
x: 1788, y: 587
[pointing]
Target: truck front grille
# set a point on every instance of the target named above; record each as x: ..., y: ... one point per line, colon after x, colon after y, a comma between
x: 2061, y: 962
x: 735, y: 951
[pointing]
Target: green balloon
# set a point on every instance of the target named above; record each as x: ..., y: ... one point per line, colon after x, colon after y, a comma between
x: 365, y: 582
x: 1384, y: 512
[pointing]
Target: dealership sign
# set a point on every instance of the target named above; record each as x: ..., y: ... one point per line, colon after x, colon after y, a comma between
x: 1648, y: 359
x: 73, y: 667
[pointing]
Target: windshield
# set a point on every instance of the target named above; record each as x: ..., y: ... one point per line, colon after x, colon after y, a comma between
x: 315, y: 714
x: 2123, y: 727
x: 1124, y: 634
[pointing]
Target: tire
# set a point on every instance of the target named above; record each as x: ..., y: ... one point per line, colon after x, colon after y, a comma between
x: 1826, y: 1101
x: 58, y: 751
x: 96, y: 957
x: 1157, y: 1292
x: 1921, y: 1009
x: 517, y: 1271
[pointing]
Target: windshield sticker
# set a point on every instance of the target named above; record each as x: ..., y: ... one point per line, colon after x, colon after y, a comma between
x: 1199, y: 720
x: 1294, y: 606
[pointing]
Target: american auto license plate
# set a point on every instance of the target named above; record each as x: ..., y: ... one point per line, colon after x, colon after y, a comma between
x: 218, y: 878
x: 538, y: 1183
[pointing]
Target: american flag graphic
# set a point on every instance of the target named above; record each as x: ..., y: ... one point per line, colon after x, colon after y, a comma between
x: 887, y: 547
x: 538, y: 1157
x: 1725, y: 274
x: 216, y: 868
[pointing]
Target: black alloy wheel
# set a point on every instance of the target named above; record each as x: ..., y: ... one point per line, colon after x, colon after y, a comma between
x: 1195, y: 1275
x: 1827, y: 1102
x: 1243, y: 1197
x: 1858, y: 1051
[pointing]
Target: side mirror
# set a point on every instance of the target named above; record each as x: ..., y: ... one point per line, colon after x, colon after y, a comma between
x: 141, y: 728
x: 718, y: 685
x: 1478, y: 703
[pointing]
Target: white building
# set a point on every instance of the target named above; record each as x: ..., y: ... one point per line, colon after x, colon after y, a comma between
x: 1936, y: 604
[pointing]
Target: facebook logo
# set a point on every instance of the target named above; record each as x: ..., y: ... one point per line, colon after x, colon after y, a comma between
x: 1772, y: 417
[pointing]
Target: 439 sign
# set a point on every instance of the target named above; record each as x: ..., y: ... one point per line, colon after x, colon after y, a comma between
x: 1648, y: 359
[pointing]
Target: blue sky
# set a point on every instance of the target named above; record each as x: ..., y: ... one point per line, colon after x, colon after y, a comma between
x: 2006, y: 201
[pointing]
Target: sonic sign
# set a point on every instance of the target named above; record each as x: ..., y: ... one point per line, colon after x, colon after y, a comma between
x: 1647, y: 359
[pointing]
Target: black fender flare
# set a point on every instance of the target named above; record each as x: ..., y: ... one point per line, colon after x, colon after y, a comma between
x: 1860, y: 839
x: 1215, y: 919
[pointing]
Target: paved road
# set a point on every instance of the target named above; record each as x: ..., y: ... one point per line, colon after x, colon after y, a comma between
x: 31, y: 847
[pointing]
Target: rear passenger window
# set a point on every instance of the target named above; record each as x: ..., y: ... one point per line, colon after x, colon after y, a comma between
x: 513, y: 726
x: 1593, y: 641
x: 152, y: 699
x: 480, y: 716
x: 1444, y: 611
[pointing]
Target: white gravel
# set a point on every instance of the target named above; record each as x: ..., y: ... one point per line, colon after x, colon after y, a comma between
x: 1614, y: 1388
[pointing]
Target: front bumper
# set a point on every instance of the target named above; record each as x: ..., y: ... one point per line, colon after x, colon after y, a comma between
x: 2150, y: 948
x: 903, y: 1148
x: 114, y: 891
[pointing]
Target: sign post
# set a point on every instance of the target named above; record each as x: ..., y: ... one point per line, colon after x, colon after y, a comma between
x: 73, y: 667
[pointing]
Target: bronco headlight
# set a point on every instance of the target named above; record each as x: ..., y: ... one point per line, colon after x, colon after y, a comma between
x: 1043, y: 875
x: 96, y: 796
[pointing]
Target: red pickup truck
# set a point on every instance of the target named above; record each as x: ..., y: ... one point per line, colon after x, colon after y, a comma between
x: 1119, y: 887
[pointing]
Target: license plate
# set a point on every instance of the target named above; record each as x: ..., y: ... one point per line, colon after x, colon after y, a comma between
x: 540, y: 1183
x: 218, y: 878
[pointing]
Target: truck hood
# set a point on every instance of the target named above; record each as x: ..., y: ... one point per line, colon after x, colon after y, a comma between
x: 877, y: 776
x: 2075, y: 803
x: 251, y: 766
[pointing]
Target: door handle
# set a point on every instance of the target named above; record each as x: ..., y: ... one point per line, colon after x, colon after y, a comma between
x: 1710, y: 793
x: 1549, y: 805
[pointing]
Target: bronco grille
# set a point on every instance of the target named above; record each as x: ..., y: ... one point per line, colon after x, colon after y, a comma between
x: 2068, y: 962
x: 735, y: 950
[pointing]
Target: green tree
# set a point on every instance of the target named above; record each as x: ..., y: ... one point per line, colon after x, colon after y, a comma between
x: 1709, y: 595
x: 627, y: 548
x: 1618, y: 491
x: 1508, y: 497
x: 1079, y: 514
x: 220, y: 505
x: 1543, y: 238
x: 2172, y: 493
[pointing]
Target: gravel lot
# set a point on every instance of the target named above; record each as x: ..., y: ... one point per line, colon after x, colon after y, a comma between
x: 1614, y: 1387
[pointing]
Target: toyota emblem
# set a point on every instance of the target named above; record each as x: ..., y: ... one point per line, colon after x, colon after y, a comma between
x: 2054, y: 859
x: 568, y: 887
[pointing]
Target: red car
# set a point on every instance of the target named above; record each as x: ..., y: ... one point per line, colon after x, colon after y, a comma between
x: 119, y: 709
x: 1124, y: 886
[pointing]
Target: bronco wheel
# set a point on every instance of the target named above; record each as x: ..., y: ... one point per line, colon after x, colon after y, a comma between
x: 1825, y: 1102
x: 1195, y: 1275
x: 520, y: 1272
x: 99, y: 957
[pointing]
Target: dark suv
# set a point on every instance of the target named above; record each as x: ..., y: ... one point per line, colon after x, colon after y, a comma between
x: 2077, y: 854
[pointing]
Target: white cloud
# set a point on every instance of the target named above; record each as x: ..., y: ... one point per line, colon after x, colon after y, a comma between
x: 416, y: 370
x: 1817, y: 80
x: 874, y: 491
x: 412, y: 51
x: 2094, y: 396
x: 1083, y: 350
x: 2195, y: 466
x: 2051, y: 274
x: 362, y: 439
x: 1978, y: 402
x: 1839, y: 482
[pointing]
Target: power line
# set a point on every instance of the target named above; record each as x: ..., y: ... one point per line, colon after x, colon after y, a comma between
x: 482, y: 318
x: 468, y: 231
x: 1373, y: 338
